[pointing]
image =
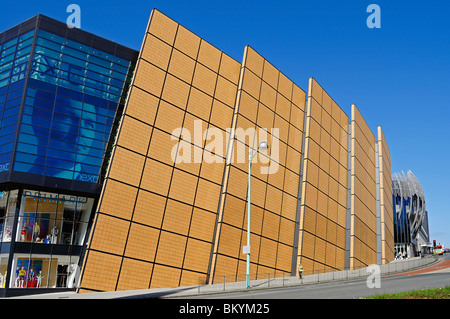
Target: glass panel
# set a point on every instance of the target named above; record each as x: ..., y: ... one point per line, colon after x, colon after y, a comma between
x: 6, y: 59
x: 5, y: 67
x: 10, y: 213
x: 7, y: 138
x: 121, y: 61
x: 81, y: 218
x: 38, y: 102
x: 5, y: 130
x: 42, y: 86
x: 67, y: 271
x: 21, y: 267
x: 23, y: 59
x: 40, y: 94
x: 36, y: 271
x: 8, y: 121
x: 3, y: 269
x: 26, y: 35
x: 71, y: 60
x: 23, y: 51
x: 45, y: 55
x: 77, y: 45
x: 67, y: 225
x: 25, y: 43
x: 4, y: 82
x: 120, y: 68
x: 76, y: 53
x: 11, y: 111
x: 101, y: 54
x: 35, y: 111
x: 4, y: 75
x: 12, y: 103
x: 119, y: 75
x: 34, y: 121
x: 51, y: 36
x: 48, y: 218
x: 3, y: 206
x: 5, y: 158
x: 49, y: 44
x: 14, y: 94
x: 28, y: 168
x: 8, y: 51
x: 101, y: 62
x: 9, y: 43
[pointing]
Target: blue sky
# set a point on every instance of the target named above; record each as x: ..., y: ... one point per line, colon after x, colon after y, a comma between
x: 397, y: 75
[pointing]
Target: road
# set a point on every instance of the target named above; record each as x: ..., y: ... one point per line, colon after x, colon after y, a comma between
x: 432, y: 277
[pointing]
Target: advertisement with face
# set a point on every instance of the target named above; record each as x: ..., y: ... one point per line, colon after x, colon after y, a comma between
x: 66, y: 143
x: 61, y: 134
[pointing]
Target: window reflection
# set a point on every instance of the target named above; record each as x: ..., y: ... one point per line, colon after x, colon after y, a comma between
x: 8, y: 202
x: 50, y: 218
x: 3, y: 204
x: 66, y: 105
x: 73, y: 130
x: 3, y: 269
x: 42, y: 271
x: 44, y: 219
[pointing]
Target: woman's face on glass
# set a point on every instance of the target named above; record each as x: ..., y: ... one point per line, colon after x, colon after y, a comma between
x: 75, y: 130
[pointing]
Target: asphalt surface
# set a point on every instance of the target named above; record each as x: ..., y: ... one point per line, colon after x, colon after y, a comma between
x: 434, y: 276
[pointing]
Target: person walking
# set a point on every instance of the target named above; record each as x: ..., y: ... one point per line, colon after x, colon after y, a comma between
x: 300, y: 270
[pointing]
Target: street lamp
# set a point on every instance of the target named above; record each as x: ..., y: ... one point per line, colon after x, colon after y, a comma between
x: 263, y: 146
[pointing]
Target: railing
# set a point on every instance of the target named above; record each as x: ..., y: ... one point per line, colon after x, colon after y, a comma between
x: 221, y: 283
x: 281, y: 279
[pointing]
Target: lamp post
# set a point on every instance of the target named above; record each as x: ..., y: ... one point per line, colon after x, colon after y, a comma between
x: 263, y: 146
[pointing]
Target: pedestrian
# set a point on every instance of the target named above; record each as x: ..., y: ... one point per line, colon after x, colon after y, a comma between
x: 300, y: 270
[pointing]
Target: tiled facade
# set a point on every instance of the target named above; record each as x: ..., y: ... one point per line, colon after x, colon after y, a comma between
x: 173, y: 209
x: 324, y: 189
x: 169, y: 185
x: 266, y: 99
x: 384, y: 211
x: 363, y: 236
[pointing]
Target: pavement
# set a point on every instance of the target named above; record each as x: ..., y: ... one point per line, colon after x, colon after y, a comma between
x: 441, y: 267
x: 185, y: 292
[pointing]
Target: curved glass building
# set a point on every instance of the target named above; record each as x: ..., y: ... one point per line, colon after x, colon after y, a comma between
x: 410, y: 231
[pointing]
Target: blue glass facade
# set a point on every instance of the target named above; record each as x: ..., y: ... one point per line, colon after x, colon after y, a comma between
x: 14, y: 61
x: 402, y: 232
x: 61, y: 95
x: 69, y: 108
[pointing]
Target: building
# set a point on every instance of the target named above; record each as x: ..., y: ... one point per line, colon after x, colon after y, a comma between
x: 411, y: 232
x: 160, y: 144
x: 175, y: 195
x: 385, y: 217
x: 60, y: 90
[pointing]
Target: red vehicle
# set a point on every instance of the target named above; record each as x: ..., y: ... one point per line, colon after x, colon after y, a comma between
x: 439, y: 250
